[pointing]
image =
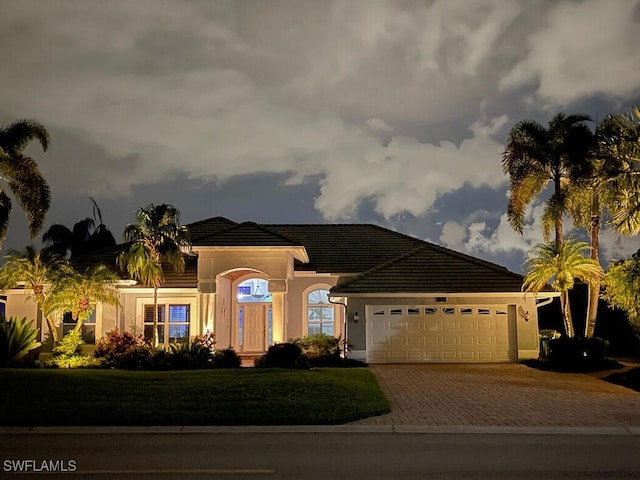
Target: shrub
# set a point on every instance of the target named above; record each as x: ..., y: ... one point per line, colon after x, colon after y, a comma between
x: 67, y: 354
x: 17, y: 338
x: 577, y: 353
x: 159, y: 360
x: 207, y: 339
x: 115, y: 344
x: 190, y: 356
x: 137, y: 357
x: 319, y: 345
x: 227, y: 358
x: 69, y: 345
x: 283, y: 355
x: 75, y: 361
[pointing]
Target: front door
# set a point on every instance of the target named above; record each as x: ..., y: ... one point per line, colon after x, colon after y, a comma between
x: 252, y: 327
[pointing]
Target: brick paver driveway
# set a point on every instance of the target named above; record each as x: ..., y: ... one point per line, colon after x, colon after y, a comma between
x: 503, y: 395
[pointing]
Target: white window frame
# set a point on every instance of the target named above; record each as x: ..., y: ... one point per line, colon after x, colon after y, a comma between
x: 141, y: 302
x: 306, y: 305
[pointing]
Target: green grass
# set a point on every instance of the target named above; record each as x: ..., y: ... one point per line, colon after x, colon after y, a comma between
x: 321, y: 396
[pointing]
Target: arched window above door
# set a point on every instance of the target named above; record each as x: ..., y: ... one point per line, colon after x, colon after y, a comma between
x: 254, y: 290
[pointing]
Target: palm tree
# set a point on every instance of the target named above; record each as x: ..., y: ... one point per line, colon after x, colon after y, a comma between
x: 536, y: 156
x: 84, y: 237
x: 611, y: 189
x: 39, y: 274
x: 22, y: 175
x: 155, y: 239
x: 561, y: 264
x: 79, y: 292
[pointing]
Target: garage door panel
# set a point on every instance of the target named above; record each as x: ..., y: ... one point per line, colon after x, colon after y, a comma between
x: 380, y: 340
x: 449, y: 340
x: 467, y: 355
x: 438, y: 334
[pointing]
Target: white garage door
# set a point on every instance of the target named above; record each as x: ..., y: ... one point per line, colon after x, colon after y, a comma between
x: 440, y: 334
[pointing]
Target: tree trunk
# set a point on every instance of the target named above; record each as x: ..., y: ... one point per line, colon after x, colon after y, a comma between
x: 566, y: 313
x: 594, y: 288
x: 558, y: 220
x: 156, y: 340
x: 53, y: 331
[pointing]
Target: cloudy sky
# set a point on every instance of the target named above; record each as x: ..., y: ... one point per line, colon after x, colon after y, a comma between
x: 391, y: 112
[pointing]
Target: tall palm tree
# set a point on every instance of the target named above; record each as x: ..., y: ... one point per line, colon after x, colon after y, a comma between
x: 610, y: 188
x: 155, y: 239
x: 560, y: 264
x: 83, y: 238
x: 79, y: 292
x: 536, y: 156
x: 22, y: 175
x: 39, y: 274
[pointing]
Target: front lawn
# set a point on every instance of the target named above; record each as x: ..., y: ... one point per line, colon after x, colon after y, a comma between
x: 201, y: 397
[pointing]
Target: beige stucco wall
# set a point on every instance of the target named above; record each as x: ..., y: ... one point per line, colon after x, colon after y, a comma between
x: 224, y: 314
x: 277, y: 264
x: 19, y: 306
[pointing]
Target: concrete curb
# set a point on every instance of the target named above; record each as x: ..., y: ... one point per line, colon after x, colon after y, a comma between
x: 398, y: 429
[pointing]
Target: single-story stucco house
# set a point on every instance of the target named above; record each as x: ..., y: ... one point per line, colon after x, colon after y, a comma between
x: 394, y: 298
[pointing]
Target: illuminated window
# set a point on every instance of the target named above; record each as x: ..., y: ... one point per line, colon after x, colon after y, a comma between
x: 320, y: 313
x: 254, y: 290
x: 172, y: 327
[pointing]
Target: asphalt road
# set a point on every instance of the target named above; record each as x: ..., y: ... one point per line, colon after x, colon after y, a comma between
x: 319, y: 455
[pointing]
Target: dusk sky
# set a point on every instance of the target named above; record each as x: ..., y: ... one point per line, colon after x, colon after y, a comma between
x: 306, y: 111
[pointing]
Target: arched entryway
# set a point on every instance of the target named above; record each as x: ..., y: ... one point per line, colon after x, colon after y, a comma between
x: 249, y: 310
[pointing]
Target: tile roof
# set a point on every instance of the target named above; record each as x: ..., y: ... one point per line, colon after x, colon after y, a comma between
x: 246, y: 234
x: 108, y: 256
x: 383, y: 261
x: 208, y: 227
x: 433, y: 269
x: 346, y: 248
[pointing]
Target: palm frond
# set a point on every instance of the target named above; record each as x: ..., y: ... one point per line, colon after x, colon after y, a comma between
x: 5, y: 212
x: 15, y: 137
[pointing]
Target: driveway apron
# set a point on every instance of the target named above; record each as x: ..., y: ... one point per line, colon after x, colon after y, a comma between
x: 501, y: 395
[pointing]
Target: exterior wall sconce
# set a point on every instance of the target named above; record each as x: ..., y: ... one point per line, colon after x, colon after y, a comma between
x: 526, y: 316
x: 356, y: 317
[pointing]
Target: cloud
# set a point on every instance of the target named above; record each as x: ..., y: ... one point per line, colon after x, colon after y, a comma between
x: 178, y: 91
x: 586, y: 48
x: 476, y: 237
x: 392, y: 105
